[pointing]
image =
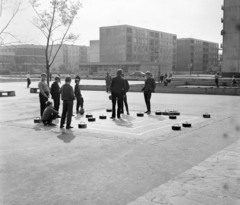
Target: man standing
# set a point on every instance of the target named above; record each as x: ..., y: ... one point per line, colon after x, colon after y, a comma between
x: 78, y: 95
x: 28, y: 80
x: 68, y: 98
x: 148, y: 89
x: 117, y: 90
x: 108, y: 80
x: 125, y: 95
x: 55, y: 92
x: 44, y: 93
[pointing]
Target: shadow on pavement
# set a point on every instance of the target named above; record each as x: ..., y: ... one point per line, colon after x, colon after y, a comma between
x: 66, y: 136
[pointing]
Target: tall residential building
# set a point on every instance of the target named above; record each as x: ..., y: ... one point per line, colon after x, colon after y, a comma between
x: 69, y: 57
x: 231, y: 37
x: 94, y: 51
x: 23, y: 58
x: 195, y: 55
x: 129, y: 44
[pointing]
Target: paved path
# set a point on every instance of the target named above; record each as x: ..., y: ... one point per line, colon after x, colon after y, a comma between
x: 111, y: 162
x: 216, y: 180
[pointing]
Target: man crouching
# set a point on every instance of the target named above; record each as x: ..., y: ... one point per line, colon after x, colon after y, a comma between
x: 49, y: 115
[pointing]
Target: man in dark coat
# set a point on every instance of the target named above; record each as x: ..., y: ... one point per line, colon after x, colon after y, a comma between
x: 148, y: 89
x: 55, y: 92
x: 68, y: 98
x: 117, y: 90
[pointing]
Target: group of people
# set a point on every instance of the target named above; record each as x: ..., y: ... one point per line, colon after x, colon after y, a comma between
x: 118, y: 86
x: 165, y: 79
x: 49, y: 112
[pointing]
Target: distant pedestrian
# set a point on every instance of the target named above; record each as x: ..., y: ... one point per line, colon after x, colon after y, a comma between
x: 44, y: 93
x: 161, y: 78
x: 125, y: 95
x: 117, y: 90
x: 55, y: 92
x: 49, y: 114
x: 108, y: 80
x: 67, y: 95
x: 78, y: 96
x: 148, y: 89
x: 216, y: 79
x: 28, y: 80
x: 234, y: 82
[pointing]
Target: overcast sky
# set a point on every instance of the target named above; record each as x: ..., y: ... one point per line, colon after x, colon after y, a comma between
x: 199, y: 19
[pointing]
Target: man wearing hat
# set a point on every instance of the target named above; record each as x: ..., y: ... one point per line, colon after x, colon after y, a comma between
x: 44, y: 92
x: 117, y: 90
x: 55, y: 92
x: 148, y: 89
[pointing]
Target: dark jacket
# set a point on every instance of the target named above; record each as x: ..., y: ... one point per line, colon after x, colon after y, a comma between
x: 67, y: 92
x: 77, y: 91
x: 149, y: 85
x: 118, y: 85
x: 55, y: 90
x: 126, y: 85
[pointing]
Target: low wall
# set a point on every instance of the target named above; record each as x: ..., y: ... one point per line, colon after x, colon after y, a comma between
x: 179, y: 90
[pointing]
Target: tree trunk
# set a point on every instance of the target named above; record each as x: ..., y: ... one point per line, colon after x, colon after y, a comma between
x: 48, y: 73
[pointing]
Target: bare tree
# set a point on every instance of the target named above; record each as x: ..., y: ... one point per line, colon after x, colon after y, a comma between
x: 8, y: 7
x: 55, y: 24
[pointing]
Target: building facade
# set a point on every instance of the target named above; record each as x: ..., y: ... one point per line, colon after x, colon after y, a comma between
x: 196, y: 56
x: 94, y: 51
x: 69, y: 57
x: 231, y: 38
x: 23, y: 58
x: 127, y: 44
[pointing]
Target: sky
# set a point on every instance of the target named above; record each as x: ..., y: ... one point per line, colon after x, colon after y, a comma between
x: 199, y: 19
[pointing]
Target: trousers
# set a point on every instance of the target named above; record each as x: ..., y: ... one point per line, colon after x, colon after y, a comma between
x: 147, y: 97
x: 43, y: 101
x: 117, y: 98
x: 67, y: 112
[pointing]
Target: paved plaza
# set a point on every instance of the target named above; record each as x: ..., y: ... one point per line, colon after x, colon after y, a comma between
x: 133, y: 160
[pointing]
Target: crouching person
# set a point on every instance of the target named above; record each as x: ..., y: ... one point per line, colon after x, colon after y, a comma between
x: 49, y: 114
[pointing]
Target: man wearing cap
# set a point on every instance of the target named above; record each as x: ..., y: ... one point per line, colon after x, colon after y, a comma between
x: 148, y: 89
x: 68, y: 98
x: 44, y: 92
x: 55, y: 92
x: 117, y: 90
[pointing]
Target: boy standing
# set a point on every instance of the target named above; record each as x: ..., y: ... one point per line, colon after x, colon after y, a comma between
x: 68, y: 98
x: 28, y: 80
x: 55, y: 92
x: 78, y: 94
x: 148, y: 89
x: 125, y: 95
x: 49, y: 114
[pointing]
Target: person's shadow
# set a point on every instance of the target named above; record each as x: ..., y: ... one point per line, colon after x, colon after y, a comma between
x: 66, y: 136
x: 125, y: 121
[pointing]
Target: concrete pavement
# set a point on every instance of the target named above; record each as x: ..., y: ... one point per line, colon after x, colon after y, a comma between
x: 111, y: 162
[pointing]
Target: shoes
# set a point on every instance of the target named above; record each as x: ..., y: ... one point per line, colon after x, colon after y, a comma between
x: 118, y: 117
x: 148, y: 112
x: 69, y: 127
x: 58, y: 116
x: 61, y: 126
x: 112, y: 117
x: 128, y: 113
x: 52, y: 124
